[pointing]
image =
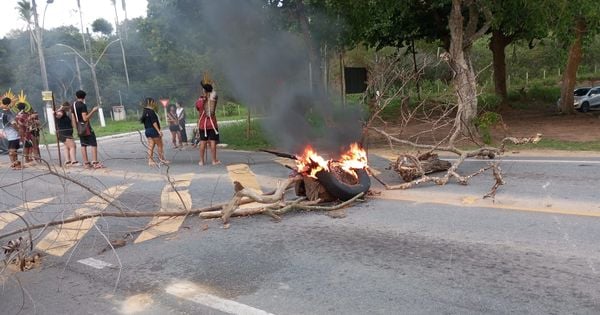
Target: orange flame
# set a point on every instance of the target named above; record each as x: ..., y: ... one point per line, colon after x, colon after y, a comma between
x: 311, y: 163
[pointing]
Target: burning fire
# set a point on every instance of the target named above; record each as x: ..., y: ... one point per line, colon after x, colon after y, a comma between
x: 311, y: 163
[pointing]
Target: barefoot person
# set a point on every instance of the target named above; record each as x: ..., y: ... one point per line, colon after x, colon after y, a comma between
x: 8, y: 130
x: 23, y: 127
x: 152, y: 131
x: 181, y: 118
x: 81, y: 116
x: 174, y: 126
x: 64, y: 126
x: 207, y: 123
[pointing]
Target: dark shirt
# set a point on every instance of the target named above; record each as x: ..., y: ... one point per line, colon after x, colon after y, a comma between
x: 149, y: 117
x: 79, y: 108
x: 64, y: 125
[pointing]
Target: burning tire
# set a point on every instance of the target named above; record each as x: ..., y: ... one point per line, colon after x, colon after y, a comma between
x: 341, y: 190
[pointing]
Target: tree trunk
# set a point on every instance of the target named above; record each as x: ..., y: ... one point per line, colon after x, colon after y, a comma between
x: 464, y: 82
x: 569, y: 78
x: 40, y: 48
x: 498, y: 45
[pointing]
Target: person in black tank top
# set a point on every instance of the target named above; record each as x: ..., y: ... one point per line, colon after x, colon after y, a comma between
x: 152, y: 131
x: 64, y: 128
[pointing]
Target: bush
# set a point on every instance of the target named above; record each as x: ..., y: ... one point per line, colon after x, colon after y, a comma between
x: 489, y: 101
x: 485, y: 122
x: 230, y: 109
x: 544, y: 93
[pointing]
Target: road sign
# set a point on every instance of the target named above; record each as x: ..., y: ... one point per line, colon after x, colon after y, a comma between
x: 47, y: 96
x: 165, y: 102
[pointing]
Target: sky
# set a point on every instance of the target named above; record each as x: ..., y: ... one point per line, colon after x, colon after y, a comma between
x: 64, y: 12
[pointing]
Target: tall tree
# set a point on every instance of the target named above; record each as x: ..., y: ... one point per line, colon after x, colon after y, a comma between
x: 581, y: 20
x: 37, y: 35
x: 26, y: 15
x: 102, y: 26
x: 462, y: 36
x: 81, y: 26
x: 515, y: 20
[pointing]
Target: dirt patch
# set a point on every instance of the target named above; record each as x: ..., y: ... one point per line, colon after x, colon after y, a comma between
x: 581, y: 127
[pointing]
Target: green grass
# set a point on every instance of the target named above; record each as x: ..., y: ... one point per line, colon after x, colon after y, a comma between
x: 552, y: 144
x: 234, y: 135
x: 116, y: 127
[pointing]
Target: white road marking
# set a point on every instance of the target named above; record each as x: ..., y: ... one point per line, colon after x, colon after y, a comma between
x: 95, y: 263
x: 194, y: 293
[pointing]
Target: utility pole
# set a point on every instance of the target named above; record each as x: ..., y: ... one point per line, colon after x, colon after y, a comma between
x: 48, y: 112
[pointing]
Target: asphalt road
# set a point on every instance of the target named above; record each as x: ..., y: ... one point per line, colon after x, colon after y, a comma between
x: 428, y: 250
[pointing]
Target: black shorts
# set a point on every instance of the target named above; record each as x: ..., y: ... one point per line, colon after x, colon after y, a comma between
x: 14, y: 144
x: 152, y: 133
x: 88, y: 141
x: 63, y: 136
x: 174, y: 128
x: 208, y: 134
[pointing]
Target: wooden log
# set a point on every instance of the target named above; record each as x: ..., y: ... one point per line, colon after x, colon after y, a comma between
x: 315, y: 191
x: 410, y: 167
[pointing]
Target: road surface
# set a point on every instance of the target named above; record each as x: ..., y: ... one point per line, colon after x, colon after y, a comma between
x: 532, y: 250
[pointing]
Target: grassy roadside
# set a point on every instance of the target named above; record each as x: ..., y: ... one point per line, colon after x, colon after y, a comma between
x: 132, y: 125
x: 551, y: 144
x: 235, y: 136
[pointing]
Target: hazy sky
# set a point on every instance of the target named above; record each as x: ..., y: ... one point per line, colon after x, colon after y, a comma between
x: 64, y: 12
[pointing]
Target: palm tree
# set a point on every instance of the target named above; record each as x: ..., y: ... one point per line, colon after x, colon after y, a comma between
x: 81, y: 24
x: 124, y: 6
x: 28, y: 10
x: 25, y: 13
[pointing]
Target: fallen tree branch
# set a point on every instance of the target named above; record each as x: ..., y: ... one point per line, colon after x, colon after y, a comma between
x: 126, y: 214
x: 241, y: 192
x: 279, y: 209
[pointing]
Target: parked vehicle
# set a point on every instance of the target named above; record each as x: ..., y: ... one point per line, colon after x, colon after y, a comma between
x: 586, y: 98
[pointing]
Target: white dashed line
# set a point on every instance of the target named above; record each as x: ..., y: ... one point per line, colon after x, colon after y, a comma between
x: 194, y: 293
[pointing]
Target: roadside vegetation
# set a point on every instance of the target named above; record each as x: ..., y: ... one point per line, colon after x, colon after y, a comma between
x: 522, y: 59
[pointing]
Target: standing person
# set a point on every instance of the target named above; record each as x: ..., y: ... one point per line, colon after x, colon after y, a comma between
x: 34, y: 128
x: 152, y: 131
x: 174, y: 126
x: 8, y: 128
x: 23, y: 127
x: 81, y: 115
x: 64, y: 126
x: 207, y: 123
x: 181, y: 117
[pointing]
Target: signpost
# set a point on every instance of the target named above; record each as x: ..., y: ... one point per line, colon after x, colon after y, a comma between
x: 48, y: 96
x: 165, y: 103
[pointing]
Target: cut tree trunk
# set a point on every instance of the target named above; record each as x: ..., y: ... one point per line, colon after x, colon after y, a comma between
x: 312, y: 190
x: 569, y: 78
x: 410, y: 167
